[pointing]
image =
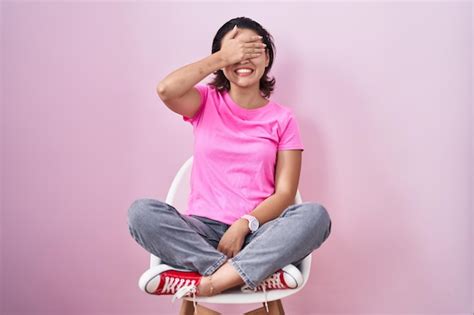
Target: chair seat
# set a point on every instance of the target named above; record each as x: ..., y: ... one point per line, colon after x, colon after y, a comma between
x: 233, y: 296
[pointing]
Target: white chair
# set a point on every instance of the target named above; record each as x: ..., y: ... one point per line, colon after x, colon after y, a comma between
x: 177, y: 197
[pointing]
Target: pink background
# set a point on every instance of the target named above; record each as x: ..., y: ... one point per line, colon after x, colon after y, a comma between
x: 382, y: 93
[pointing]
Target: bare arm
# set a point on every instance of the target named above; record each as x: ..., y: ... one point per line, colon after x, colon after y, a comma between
x: 178, y: 82
x: 287, y: 176
x: 177, y: 90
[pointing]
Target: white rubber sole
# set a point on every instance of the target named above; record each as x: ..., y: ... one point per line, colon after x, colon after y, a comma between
x: 293, y: 276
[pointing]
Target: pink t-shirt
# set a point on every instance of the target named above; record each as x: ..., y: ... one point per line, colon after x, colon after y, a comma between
x: 235, y: 152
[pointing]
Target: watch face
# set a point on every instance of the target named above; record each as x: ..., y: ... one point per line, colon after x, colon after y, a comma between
x: 253, y: 225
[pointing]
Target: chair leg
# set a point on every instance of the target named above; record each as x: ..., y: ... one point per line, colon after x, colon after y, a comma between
x: 274, y: 308
x: 187, y: 308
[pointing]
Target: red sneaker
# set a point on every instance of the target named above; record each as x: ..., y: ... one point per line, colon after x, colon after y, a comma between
x: 289, y: 277
x: 166, y: 280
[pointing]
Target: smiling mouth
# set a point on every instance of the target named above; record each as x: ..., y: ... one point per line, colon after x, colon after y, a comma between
x: 244, y: 72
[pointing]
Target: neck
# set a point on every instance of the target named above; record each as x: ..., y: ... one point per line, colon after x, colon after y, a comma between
x: 247, y: 97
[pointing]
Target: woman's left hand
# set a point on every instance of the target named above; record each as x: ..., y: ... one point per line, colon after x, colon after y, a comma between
x: 233, y: 239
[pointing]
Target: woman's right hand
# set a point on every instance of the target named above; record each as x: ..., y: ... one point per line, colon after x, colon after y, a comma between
x: 237, y: 48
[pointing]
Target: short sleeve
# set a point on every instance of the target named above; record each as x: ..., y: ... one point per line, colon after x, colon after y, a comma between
x: 203, y: 90
x: 290, y: 137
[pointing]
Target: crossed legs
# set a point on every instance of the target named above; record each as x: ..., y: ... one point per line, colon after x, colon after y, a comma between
x: 186, y: 242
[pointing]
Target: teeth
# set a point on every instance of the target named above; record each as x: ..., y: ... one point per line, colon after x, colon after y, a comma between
x: 243, y: 71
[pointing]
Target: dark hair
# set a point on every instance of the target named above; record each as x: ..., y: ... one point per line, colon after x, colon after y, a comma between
x: 220, y: 82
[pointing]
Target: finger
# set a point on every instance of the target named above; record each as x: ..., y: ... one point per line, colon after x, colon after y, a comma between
x: 229, y: 253
x: 252, y: 38
x: 222, y: 250
x: 255, y: 45
x: 254, y: 50
x: 234, y: 32
x: 250, y: 56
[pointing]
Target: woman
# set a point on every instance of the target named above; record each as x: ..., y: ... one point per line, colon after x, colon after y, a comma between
x: 241, y: 226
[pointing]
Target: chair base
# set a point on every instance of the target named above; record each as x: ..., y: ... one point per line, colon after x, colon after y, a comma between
x: 274, y: 308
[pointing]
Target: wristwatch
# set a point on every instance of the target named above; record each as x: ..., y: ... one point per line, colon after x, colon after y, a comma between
x: 253, y: 222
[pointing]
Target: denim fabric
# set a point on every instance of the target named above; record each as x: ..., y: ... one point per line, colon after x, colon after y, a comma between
x: 190, y: 242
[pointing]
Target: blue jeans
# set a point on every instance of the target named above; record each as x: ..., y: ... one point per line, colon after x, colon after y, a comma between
x: 190, y: 242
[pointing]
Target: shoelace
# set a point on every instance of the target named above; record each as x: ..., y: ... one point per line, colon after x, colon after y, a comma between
x: 173, y: 284
x: 272, y: 282
x: 180, y: 287
x: 184, y: 290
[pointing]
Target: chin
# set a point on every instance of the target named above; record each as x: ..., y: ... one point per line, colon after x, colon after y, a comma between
x: 247, y: 82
